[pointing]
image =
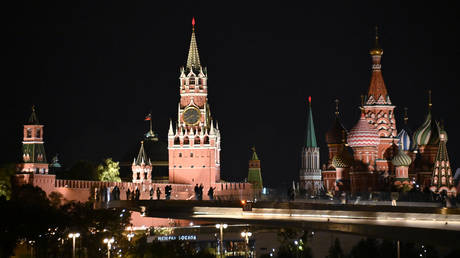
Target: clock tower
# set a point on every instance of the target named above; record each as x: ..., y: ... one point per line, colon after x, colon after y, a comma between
x: 194, y: 141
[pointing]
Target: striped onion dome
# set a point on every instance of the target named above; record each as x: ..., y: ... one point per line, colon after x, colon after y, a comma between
x: 427, y: 133
x: 404, y: 140
x: 401, y: 159
x: 343, y: 159
x: 363, y: 134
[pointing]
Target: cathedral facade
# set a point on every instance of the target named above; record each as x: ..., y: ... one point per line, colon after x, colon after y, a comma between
x: 373, y: 156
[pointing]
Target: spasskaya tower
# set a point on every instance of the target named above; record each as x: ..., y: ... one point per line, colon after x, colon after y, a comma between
x: 194, y: 141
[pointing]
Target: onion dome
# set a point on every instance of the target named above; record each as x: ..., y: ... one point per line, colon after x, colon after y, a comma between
x: 335, y: 134
x: 427, y: 133
x: 404, y: 140
x: 343, y: 159
x: 401, y: 159
x: 363, y: 134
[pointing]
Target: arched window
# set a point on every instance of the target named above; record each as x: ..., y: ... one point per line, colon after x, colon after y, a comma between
x: 138, y: 176
x: 29, y: 133
x: 206, y: 140
x: 37, y: 133
x: 191, y: 155
x: 186, y: 140
x: 176, y: 140
x: 197, y: 140
x: 180, y: 154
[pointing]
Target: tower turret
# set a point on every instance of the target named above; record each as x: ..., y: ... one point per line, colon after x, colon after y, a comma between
x: 142, y: 167
x: 442, y: 179
x: 254, y: 173
x: 310, y: 172
x: 33, y: 150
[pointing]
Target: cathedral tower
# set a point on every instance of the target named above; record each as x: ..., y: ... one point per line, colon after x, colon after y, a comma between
x: 194, y: 144
x: 442, y: 178
x: 310, y: 172
x: 33, y: 150
x: 334, y: 137
x: 379, y: 110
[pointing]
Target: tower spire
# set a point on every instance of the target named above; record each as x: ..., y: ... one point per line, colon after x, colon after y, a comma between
x: 336, y: 107
x: 406, y: 118
x: 377, y: 93
x: 311, y: 137
x: 429, y: 100
x: 193, y: 60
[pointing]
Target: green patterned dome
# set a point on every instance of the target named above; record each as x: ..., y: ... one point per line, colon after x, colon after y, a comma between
x: 427, y: 133
x: 343, y: 159
x: 401, y: 159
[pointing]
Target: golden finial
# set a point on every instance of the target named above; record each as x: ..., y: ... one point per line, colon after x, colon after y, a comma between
x: 142, y: 142
x: 405, y: 116
x: 362, y: 100
x: 429, y: 99
x: 343, y: 136
x: 336, y: 106
x: 376, y: 50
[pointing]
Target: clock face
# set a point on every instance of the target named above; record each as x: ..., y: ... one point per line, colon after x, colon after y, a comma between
x: 192, y: 116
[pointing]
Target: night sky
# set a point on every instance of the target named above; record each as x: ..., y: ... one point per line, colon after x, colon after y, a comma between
x: 94, y: 69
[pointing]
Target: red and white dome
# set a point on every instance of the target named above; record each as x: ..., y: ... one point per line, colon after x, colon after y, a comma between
x: 363, y: 134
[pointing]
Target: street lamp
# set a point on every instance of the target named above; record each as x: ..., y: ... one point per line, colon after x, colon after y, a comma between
x: 130, y: 236
x: 221, y: 227
x: 73, y: 236
x: 109, y: 242
x: 246, y: 235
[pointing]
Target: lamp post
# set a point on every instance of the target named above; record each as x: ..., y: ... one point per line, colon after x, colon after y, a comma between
x: 221, y: 227
x: 73, y: 236
x: 130, y: 236
x: 109, y: 242
x: 246, y: 235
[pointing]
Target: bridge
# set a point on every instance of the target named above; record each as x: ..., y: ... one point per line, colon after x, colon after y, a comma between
x: 438, y: 226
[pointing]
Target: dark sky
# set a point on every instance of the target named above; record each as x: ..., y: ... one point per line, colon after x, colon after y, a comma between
x: 94, y: 69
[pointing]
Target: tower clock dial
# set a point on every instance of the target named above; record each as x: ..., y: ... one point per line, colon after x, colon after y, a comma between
x: 191, y: 116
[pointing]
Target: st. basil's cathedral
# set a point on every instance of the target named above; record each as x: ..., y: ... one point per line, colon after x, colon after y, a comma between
x: 373, y: 155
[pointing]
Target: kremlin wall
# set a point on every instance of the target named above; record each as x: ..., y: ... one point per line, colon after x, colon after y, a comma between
x: 373, y: 155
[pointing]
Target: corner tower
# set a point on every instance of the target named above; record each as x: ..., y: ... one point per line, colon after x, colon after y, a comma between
x: 254, y: 173
x: 310, y: 172
x: 379, y: 110
x: 33, y: 150
x: 142, y: 167
x: 194, y: 142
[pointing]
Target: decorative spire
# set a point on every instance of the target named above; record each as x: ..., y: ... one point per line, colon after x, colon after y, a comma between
x: 311, y: 137
x: 336, y: 107
x: 33, y: 119
x: 429, y: 100
x: 193, y: 60
x: 254, y: 154
x: 170, y: 132
x: 442, y: 178
x: 377, y: 94
x: 406, y: 118
x: 141, y: 157
x: 376, y: 50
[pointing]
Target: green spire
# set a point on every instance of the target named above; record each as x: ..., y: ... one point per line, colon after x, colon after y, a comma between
x: 33, y: 119
x: 311, y: 136
x: 254, y: 154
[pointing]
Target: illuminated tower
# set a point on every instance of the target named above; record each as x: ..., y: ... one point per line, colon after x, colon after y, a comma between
x: 33, y: 150
x: 401, y: 162
x: 442, y: 178
x: 379, y: 110
x: 142, y: 167
x: 310, y: 172
x: 194, y: 144
x: 254, y: 173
